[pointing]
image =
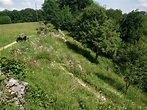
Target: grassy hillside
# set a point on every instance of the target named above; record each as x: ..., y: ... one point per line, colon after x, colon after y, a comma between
x: 9, y: 33
x: 62, y: 75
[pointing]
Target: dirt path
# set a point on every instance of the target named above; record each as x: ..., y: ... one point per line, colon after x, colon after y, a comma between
x: 90, y: 89
x: 98, y: 94
x: 7, y: 46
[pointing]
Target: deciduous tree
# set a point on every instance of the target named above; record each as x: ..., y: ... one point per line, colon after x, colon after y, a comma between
x: 75, y: 5
x: 132, y: 64
x: 95, y: 31
x: 132, y: 27
x: 60, y: 17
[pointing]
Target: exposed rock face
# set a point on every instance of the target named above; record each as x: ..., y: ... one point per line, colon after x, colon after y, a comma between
x: 16, y: 89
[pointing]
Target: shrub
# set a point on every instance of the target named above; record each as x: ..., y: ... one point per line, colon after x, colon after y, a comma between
x: 14, y: 68
x: 45, y: 28
x: 5, y: 20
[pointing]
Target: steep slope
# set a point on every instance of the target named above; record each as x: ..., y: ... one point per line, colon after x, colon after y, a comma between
x: 61, y: 74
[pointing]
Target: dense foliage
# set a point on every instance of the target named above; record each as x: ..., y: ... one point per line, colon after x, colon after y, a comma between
x: 131, y: 64
x: 116, y: 16
x: 60, y: 17
x: 145, y: 25
x: 62, y: 13
x: 75, y: 5
x: 25, y: 15
x: 94, y: 30
x: 132, y: 27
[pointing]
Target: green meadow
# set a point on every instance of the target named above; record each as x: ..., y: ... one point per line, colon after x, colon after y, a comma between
x: 52, y: 67
x: 9, y: 32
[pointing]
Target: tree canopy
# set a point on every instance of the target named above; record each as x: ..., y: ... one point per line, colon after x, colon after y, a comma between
x: 75, y: 5
x: 132, y: 27
x: 95, y: 31
x: 25, y: 15
x: 60, y: 17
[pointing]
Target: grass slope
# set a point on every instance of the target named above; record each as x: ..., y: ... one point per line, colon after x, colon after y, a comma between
x: 49, y: 61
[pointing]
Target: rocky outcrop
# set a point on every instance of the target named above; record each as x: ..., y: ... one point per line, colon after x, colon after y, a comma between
x: 16, y: 91
x: 16, y: 87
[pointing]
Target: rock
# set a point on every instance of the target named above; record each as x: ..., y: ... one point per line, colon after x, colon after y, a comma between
x: 103, y: 98
x: 17, y: 90
x: 61, y: 32
x: 17, y: 87
x: 1, y: 73
x: 70, y: 63
x: 80, y: 67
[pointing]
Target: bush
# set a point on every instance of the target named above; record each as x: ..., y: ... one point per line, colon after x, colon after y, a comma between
x: 45, y: 28
x: 14, y: 68
x: 5, y: 20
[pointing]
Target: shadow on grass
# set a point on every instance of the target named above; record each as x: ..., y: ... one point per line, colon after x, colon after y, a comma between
x: 111, y: 82
x: 82, y: 51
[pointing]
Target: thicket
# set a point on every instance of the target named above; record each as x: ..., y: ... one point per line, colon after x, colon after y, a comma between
x: 106, y: 32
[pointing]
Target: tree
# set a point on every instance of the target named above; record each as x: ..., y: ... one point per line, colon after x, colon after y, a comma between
x: 28, y: 15
x: 132, y: 27
x: 41, y: 15
x: 5, y: 20
x: 145, y: 25
x: 94, y: 30
x: 16, y: 16
x: 131, y: 58
x: 25, y: 15
x: 60, y: 17
x: 116, y: 16
x: 143, y: 63
x: 132, y: 65
x: 75, y: 5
